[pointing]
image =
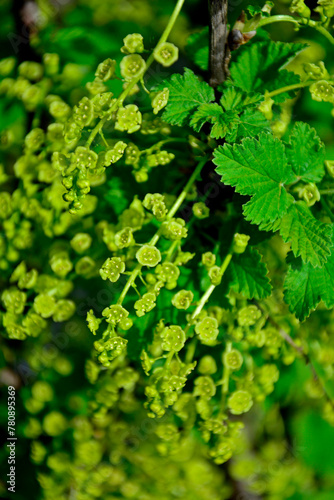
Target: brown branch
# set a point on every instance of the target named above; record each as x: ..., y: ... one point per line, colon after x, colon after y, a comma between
x: 219, y: 52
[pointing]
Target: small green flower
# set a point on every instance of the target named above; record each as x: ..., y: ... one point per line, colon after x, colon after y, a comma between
x: 133, y: 43
x: 240, y: 402
x: 106, y: 70
x: 132, y: 66
x: 45, y: 305
x: 183, y: 299
x: 233, y: 359
x: 159, y: 100
x: 128, y: 119
x: 166, y: 54
x: 200, y: 210
x: 173, y: 338
x: 148, y: 255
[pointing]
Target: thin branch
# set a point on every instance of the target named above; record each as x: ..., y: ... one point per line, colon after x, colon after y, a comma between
x: 219, y: 53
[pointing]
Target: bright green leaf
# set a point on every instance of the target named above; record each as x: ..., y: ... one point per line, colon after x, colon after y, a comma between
x: 186, y: 93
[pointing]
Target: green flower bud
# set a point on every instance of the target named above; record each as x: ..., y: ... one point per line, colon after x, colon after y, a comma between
x: 322, y: 91
x: 61, y: 264
x: 34, y: 139
x: 5, y: 205
x: 54, y: 424
x: 239, y: 402
x: 207, y: 329
x: 232, y: 359
x: 92, y: 371
x: 112, y: 349
x: 309, y: 193
x: 84, y: 158
x: 248, y: 316
x: 51, y: 64
x: 330, y: 167
x: 183, y: 299
x: 126, y: 378
x: 174, y: 229
x: 31, y: 70
x: 204, y: 387
x: 42, y: 391
x: 145, y: 362
x: 208, y: 259
x: 112, y: 269
x: 115, y: 154
x: 166, y: 54
x: 316, y: 71
x: 148, y: 255
x: 215, y: 275
x: 32, y: 97
x: 200, y: 210
x: 45, y: 305
x: 28, y: 280
x: 132, y: 66
x: 14, y: 300
x: 266, y: 107
x: 133, y: 43
x: 128, y: 119
x: 83, y: 112
x: 159, y: 100
x: 81, y: 242
x: 92, y: 322
x: 173, y: 338
x: 299, y: 7
x: 102, y: 103
x: 38, y: 452
x: 124, y: 238
x: 167, y: 272
x: 6, y: 66
x: 207, y: 365
x: 59, y: 110
x: 114, y: 314
x: 240, y: 242
x: 106, y: 70
x: 145, y: 304
x: 64, y: 310
x: 85, y: 267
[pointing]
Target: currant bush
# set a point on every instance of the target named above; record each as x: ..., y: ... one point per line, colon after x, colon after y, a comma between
x: 166, y: 250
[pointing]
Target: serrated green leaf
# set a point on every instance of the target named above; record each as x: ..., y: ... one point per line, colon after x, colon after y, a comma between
x: 197, y: 48
x: 257, y: 168
x: 306, y: 153
x: 309, y: 238
x: 247, y: 274
x: 257, y: 66
x: 206, y: 113
x: 252, y: 123
x: 305, y: 286
x: 233, y: 98
x: 186, y: 93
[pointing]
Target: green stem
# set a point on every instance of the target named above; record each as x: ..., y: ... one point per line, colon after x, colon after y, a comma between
x: 290, y: 87
x: 300, y: 22
x: 208, y: 293
x: 327, y: 191
x: 169, y: 359
x: 277, y: 19
x: 191, y: 348
x: 133, y: 82
x: 156, y: 236
x: 323, y: 31
x: 162, y: 143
